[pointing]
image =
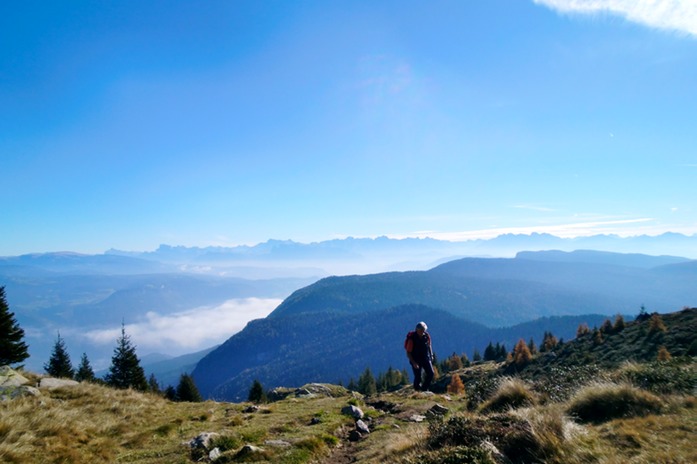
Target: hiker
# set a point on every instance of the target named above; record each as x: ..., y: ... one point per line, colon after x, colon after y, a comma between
x: 418, y: 346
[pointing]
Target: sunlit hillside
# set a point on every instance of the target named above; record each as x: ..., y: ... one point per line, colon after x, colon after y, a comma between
x: 642, y: 411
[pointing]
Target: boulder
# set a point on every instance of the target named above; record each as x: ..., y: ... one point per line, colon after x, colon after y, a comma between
x: 352, y: 411
x: 203, y: 440
x: 11, y: 378
x: 52, y: 382
x: 362, y: 427
x: 10, y: 393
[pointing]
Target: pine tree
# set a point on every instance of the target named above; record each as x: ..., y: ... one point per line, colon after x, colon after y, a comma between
x: 606, y: 327
x: 656, y: 324
x: 366, y: 383
x: 84, y: 371
x: 13, y: 350
x: 476, y: 356
x: 153, y: 386
x: 187, y: 390
x: 256, y: 393
x: 532, y: 347
x: 490, y: 352
x: 125, y: 370
x: 59, y: 364
x: 619, y: 324
x: 170, y: 393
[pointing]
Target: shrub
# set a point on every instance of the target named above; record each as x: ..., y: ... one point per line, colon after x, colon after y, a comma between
x: 603, y: 402
x: 512, y: 436
x: 510, y: 394
x: 662, y: 377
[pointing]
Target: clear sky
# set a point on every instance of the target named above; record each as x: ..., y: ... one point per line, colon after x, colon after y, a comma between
x: 134, y: 123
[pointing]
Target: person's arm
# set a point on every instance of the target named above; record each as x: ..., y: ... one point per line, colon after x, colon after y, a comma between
x: 410, y: 347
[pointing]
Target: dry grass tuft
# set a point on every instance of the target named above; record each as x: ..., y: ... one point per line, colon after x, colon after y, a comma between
x: 606, y: 401
x: 511, y: 393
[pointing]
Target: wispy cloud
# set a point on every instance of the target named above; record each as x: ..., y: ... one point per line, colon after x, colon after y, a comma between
x: 675, y: 15
x: 190, y: 330
x: 622, y: 227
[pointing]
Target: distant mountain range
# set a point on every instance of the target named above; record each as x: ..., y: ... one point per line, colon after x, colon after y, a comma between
x: 333, y: 329
x: 78, y: 294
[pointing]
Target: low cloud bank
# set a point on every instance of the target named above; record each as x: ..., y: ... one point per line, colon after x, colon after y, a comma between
x: 191, y: 330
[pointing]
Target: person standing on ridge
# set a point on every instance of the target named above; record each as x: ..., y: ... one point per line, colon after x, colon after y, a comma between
x: 420, y: 354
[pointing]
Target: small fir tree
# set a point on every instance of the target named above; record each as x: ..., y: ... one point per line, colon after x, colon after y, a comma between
x: 256, y: 393
x: 582, y: 330
x: 366, y: 383
x: 454, y: 362
x: 153, y: 386
x: 13, y: 350
x: 59, y: 364
x: 656, y: 324
x: 532, y: 347
x: 521, y: 354
x: 663, y: 354
x: 456, y: 387
x: 125, y: 370
x: 619, y: 324
x: 606, y: 327
x: 187, y: 390
x: 476, y: 356
x: 170, y: 393
x: 84, y: 372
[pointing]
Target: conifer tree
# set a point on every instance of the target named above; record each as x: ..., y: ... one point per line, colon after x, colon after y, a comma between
x: 456, y: 387
x: 256, y: 393
x: 454, y: 362
x: 125, y: 370
x: 153, y: 386
x: 170, y: 393
x: 476, y: 356
x: 663, y: 354
x: 582, y: 330
x: 187, y: 390
x: 13, y: 350
x: 532, y: 347
x: 656, y: 324
x: 59, y: 364
x: 490, y: 352
x: 619, y: 324
x: 606, y: 327
x: 366, y: 383
x: 84, y: 371
x: 521, y: 353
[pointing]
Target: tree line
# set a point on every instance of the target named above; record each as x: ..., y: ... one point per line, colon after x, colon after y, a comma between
x: 124, y: 372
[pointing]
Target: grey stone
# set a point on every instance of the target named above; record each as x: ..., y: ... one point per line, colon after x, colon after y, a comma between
x: 203, y: 440
x: 362, y: 427
x: 51, y: 383
x: 214, y: 454
x: 277, y: 443
x: 352, y: 411
x: 11, y: 378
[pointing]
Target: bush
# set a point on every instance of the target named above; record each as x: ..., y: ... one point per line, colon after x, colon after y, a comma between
x: 511, y: 394
x: 662, y: 377
x: 603, y: 402
x: 512, y: 436
x: 457, y: 455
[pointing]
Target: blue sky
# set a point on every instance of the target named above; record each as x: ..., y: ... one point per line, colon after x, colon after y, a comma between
x: 131, y: 124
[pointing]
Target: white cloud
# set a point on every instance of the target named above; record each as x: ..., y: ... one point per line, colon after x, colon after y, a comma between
x: 623, y: 227
x: 675, y: 15
x: 190, y: 330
